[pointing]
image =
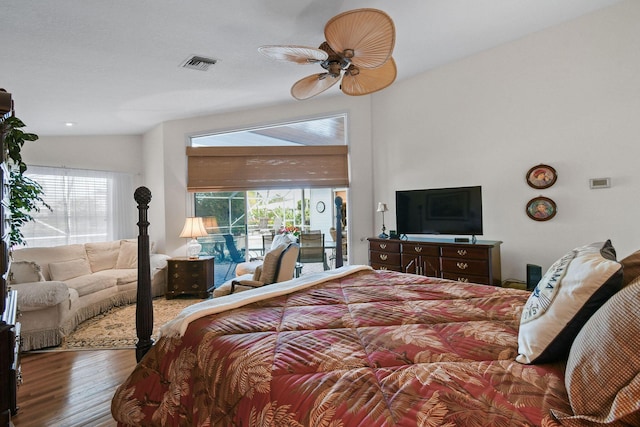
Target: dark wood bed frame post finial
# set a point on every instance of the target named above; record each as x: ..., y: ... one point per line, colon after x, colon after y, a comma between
x: 338, y: 231
x: 144, y: 306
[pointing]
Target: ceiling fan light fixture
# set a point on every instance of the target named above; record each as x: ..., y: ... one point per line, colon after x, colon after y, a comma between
x: 357, y: 51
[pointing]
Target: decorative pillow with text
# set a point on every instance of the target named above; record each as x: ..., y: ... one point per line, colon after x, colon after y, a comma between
x: 573, y: 288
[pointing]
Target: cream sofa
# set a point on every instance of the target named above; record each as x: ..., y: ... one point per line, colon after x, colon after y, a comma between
x: 59, y: 287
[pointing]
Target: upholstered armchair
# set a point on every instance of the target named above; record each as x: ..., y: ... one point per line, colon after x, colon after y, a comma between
x: 278, y: 266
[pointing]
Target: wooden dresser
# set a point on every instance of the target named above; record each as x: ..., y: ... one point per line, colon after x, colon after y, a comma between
x: 190, y: 277
x: 465, y: 262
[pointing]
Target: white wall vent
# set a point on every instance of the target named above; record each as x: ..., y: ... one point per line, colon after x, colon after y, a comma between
x: 201, y: 63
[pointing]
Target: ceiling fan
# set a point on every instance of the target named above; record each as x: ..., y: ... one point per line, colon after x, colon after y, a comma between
x: 357, y: 51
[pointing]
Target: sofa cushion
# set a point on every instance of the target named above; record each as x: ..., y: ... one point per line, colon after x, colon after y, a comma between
x: 270, y: 265
x: 102, y: 255
x: 128, y: 255
x: 25, y: 272
x: 568, y: 294
x: 121, y: 276
x: 46, y: 255
x: 91, y: 283
x: 65, y: 270
x: 33, y: 297
x: 605, y: 353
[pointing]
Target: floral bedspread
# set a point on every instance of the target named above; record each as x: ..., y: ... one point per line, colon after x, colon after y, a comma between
x: 374, y: 348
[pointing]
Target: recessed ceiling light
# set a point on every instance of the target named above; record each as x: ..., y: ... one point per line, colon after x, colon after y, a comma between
x: 69, y: 124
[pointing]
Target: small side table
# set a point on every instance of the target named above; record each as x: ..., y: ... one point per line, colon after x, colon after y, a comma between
x: 190, y: 276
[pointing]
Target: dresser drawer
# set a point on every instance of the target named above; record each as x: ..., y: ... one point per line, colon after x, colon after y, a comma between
x: 464, y: 252
x: 465, y: 267
x: 417, y: 249
x: 385, y: 258
x: 384, y: 246
x: 187, y: 276
x: 377, y: 266
x: 466, y: 278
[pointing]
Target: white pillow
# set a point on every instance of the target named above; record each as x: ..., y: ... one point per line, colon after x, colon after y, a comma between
x: 128, y: 255
x: 568, y: 294
x: 280, y: 239
x: 25, y: 272
x: 65, y: 270
x: 102, y: 255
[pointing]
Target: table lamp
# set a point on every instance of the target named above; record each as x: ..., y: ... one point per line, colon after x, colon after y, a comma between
x: 382, y: 207
x: 193, y: 228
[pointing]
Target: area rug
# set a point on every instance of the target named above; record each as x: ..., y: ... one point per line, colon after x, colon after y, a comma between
x: 116, y: 328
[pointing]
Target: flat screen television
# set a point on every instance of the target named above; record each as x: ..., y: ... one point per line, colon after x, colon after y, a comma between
x: 453, y: 211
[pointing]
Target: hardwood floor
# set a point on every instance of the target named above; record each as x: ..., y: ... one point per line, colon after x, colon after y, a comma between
x: 71, y: 388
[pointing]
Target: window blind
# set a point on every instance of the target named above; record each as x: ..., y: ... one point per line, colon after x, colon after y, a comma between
x: 248, y: 168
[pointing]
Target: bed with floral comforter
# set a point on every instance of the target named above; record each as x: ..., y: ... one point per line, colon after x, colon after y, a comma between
x: 355, y: 348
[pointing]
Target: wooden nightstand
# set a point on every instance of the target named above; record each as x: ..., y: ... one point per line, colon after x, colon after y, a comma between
x: 190, y: 277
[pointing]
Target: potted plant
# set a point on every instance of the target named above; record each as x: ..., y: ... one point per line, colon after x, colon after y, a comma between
x: 25, y: 194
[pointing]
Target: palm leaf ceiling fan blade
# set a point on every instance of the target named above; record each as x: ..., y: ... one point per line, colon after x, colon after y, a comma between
x: 368, y: 35
x: 365, y: 81
x: 357, y: 50
x: 297, y: 54
x: 313, y: 85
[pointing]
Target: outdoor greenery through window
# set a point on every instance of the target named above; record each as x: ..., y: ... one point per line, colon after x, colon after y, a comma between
x: 86, y: 206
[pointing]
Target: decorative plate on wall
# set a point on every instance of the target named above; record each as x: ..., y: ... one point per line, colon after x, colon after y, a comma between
x: 320, y: 207
x: 541, y: 208
x: 541, y: 176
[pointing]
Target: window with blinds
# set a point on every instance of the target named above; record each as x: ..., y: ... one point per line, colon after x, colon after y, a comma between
x: 311, y: 153
x: 86, y: 206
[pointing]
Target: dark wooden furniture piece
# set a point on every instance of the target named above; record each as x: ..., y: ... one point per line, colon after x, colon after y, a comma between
x: 9, y: 327
x: 190, y: 277
x: 465, y: 262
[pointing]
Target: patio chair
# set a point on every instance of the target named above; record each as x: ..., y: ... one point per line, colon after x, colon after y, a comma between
x: 312, y: 249
x: 236, y: 256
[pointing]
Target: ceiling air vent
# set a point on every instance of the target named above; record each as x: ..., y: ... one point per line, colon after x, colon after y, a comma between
x: 199, y: 63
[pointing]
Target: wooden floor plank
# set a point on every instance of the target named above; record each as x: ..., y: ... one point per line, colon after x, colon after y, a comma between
x: 71, y: 388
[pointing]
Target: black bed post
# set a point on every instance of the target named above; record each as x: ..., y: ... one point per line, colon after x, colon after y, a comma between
x: 144, y: 307
x: 338, y: 231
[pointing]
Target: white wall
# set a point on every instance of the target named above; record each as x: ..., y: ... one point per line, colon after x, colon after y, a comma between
x: 116, y: 153
x: 568, y: 96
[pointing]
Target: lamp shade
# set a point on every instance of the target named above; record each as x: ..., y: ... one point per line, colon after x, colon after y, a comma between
x: 193, y: 227
x: 382, y: 207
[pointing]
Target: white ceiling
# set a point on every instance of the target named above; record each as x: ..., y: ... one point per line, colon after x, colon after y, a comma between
x: 114, y: 67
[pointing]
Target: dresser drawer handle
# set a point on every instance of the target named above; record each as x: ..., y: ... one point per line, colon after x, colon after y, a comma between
x: 463, y: 280
x: 462, y: 265
x: 195, y: 286
x: 383, y: 246
x: 418, y: 249
x: 382, y: 268
x: 383, y: 257
x: 462, y: 252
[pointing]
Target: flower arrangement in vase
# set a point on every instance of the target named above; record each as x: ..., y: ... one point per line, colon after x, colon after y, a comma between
x: 291, y: 231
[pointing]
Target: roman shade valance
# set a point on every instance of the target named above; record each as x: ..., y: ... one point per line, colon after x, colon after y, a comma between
x: 248, y: 168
